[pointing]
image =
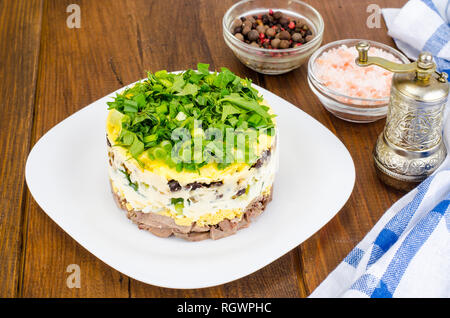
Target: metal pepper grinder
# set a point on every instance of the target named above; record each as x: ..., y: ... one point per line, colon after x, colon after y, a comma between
x: 410, y: 148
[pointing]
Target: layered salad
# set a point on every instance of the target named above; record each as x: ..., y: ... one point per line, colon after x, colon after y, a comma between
x: 191, y: 154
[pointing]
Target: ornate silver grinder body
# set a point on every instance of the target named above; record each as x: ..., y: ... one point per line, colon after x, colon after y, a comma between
x: 411, y: 146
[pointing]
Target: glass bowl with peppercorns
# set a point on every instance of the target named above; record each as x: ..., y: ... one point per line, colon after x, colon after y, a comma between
x: 272, y: 37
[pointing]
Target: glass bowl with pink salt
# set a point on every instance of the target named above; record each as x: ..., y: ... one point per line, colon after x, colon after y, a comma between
x: 348, y: 91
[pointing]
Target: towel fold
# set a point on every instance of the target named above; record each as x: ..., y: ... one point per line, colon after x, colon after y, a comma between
x: 422, y: 25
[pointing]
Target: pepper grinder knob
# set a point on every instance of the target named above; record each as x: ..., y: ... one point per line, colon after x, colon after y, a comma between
x: 363, y: 52
x: 425, y: 66
x: 425, y: 60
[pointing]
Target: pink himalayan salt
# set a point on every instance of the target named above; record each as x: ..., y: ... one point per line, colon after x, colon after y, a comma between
x: 336, y: 69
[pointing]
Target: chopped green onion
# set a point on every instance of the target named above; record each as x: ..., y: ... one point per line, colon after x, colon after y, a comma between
x: 159, y: 153
x: 136, y: 148
x: 166, y: 145
x: 131, y: 106
x: 178, y: 203
x: 152, y: 109
x: 254, y: 120
x: 162, y: 109
x: 150, y: 138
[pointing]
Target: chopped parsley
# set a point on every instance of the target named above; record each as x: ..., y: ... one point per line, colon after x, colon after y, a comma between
x: 166, y: 105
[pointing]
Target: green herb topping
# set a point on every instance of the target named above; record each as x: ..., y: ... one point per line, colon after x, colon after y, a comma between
x: 134, y: 185
x: 159, y: 111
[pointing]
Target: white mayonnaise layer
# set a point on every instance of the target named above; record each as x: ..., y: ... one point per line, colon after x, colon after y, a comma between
x: 153, y: 193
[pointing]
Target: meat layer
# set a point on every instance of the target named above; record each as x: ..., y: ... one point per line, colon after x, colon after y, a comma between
x: 164, y: 226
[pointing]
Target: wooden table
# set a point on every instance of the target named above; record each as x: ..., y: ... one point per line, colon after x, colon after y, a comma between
x: 50, y: 71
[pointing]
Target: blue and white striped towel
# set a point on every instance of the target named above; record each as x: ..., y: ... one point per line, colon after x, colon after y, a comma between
x: 407, y: 253
x: 422, y: 25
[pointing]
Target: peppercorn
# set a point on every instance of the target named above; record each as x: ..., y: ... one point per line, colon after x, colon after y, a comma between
x: 253, y: 35
x: 277, y: 15
x: 260, y: 28
x: 239, y: 36
x: 236, y: 23
x: 284, y: 21
x: 284, y: 44
x: 247, y: 23
x: 271, y: 32
x: 275, y: 43
x: 284, y: 35
x: 297, y: 37
x: 309, y: 38
x: 246, y: 29
x: 250, y: 19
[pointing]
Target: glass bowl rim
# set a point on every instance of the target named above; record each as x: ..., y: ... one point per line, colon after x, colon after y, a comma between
x: 332, y: 93
x: 300, y: 48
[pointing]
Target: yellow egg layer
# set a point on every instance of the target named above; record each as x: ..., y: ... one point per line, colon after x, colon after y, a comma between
x: 207, y: 219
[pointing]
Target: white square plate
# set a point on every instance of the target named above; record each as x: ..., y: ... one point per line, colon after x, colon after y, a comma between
x: 66, y: 173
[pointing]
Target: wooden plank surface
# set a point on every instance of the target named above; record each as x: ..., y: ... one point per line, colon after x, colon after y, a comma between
x: 117, y: 42
x: 20, y: 25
